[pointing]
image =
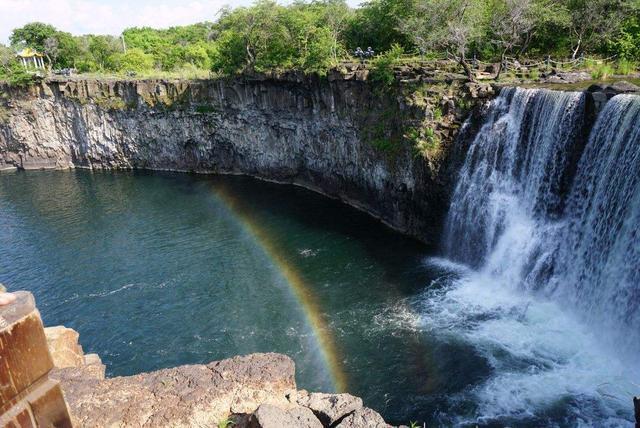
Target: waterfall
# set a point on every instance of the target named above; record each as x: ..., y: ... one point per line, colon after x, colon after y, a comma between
x: 548, y: 220
x: 515, y: 173
x: 598, y: 262
x: 526, y: 210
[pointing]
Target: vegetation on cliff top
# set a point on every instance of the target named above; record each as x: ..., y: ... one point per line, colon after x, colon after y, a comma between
x: 313, y: 36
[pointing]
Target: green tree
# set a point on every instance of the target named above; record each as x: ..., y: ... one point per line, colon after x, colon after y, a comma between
x: 510, y: 21
x: 594, y: 21
x: 32, y: 35
x: 377, y: 24
x: 197, y: 54
x: 449, y: 26
x: 133, y: 60
x: 103, y: 50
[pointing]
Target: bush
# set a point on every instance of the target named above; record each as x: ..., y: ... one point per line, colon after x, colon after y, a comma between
x: 382, y: 66
x: 133, y: 60
x: 426, y: 146
x: 16, y: 75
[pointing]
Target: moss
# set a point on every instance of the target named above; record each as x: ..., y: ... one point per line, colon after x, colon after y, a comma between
x: 385, y: 146
x: 111, y: 103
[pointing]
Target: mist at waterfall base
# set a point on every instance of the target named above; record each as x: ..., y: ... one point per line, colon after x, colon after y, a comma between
x: 527, y: 316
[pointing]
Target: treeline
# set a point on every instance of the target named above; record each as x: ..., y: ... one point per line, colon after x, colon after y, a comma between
x: 314, y: 36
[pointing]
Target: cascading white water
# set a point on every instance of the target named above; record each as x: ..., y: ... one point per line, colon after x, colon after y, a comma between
x: 550, y: 227
x: 597, y: 268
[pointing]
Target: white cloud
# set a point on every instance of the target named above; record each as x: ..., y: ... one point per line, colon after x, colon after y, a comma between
x: 107, y: 17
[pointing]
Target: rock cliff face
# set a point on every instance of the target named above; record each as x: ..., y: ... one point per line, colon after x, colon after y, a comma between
x: 340, y: 136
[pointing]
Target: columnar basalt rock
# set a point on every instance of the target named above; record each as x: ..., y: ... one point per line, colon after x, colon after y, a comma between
x: 28, y: 396
x: 337, y: 135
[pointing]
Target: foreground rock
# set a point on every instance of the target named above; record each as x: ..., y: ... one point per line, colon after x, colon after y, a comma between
x: 256, y: 390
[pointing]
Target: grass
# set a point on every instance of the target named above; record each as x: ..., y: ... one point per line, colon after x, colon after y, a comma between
x: 425, y: 143
x: 626, y: 67
x: 534, y: 74
x: 111, y: 103
x: 599, y: 70
x: 182, y: 74
x: 5, y: 114
x: 437, y: 113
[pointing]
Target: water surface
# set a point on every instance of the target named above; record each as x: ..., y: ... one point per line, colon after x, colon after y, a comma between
x: 156, y: 270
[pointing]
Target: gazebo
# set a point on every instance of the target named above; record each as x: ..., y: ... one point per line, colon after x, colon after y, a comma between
x: 31, y: 58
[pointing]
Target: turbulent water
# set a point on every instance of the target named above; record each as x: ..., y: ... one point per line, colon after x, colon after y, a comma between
x: 549, y: 228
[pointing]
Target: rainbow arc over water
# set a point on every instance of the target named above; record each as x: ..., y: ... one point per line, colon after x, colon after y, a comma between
x: 303, y: 293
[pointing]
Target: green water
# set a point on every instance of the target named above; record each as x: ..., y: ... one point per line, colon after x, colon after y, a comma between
x: 157, y: 270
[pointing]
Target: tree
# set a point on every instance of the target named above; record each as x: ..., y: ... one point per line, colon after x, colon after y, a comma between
x: 378, y: 23
x: 133, y: 60
x: 51, y: 49
x: 269, y: 36
x: 7, y: 56
x: 103, y: 50
x: 334, y: 16
x: 69, y: 50
x: 511, y: 20
x: 594, y: 21
x: 448, y: 25
x: 196, y: 54
x: 32, y: 35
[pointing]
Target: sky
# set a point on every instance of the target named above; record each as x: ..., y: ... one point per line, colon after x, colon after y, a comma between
x: 109, y: 16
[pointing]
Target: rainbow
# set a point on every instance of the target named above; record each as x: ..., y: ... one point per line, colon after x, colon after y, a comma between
x: 304, y: 295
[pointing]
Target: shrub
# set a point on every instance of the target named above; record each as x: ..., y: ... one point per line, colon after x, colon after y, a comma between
x: 133, y: 60
x: 382, y: 66
x: 16, y: 75
x: 426, y: 145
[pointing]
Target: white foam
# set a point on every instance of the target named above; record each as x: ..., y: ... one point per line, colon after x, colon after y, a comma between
x: 539, y: 354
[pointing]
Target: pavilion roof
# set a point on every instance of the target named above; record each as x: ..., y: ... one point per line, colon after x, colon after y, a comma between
x: 28, y: 53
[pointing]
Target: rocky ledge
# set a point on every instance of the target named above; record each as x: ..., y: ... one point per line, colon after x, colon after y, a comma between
x: 257, y: 391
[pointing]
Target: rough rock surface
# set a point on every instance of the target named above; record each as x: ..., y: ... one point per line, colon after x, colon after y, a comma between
x: 330, y: 408
x: 363, y: 418
x: 256, y: 391
x: 270, y: 416
x: 63, y: 346
x: 318, y: 133
x: 193, y: 395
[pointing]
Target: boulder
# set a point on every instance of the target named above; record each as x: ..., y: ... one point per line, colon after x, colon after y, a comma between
x: 270, y: 416
x: 624, y: 87
x: 330, y: 408
x: 63, y: 346
x: 363, y: 418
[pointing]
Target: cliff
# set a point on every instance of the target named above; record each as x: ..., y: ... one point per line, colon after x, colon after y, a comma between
x: 387, y: 151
